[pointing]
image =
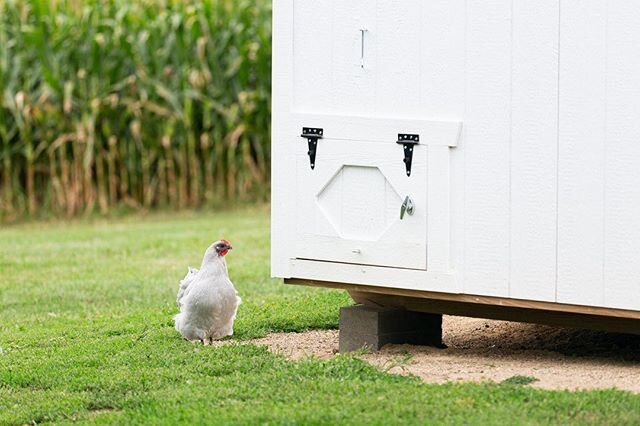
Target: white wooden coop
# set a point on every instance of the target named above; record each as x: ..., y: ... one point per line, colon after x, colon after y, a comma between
x: 476, y: 157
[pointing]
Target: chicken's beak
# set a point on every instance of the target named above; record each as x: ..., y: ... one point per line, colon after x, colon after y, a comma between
x: 229, y: 247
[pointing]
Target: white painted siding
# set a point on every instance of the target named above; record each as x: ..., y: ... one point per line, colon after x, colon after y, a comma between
x: 441, y: 63
x: 543, y: 187
x: 354, y: 86
x: 399, y: 27
x: 534, y: 149
x: 581, y: 151
x: 622, y: 157
x: 312, y: 53
x: 487, y: 121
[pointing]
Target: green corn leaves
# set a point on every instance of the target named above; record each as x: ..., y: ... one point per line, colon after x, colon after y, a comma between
x: 110, y: 103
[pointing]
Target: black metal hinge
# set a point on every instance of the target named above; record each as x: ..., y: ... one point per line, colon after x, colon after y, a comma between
x: 312, y: 134
x: 408, y: 141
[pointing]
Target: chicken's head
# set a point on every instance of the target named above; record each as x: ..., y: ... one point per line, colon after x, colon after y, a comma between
x: 220, y: 247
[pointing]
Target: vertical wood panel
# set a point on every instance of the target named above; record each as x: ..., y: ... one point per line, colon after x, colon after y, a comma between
x: 353, y: 87
x: 397, y: 64
x: 312, y: 54
x: 439, y: 210
x: 442, y: 96
x: 622, y: 179
x: 441, y: 59
x: 581, y: 151
x: 283, y: 206
x: 487, y: 138
x: 534, y: 146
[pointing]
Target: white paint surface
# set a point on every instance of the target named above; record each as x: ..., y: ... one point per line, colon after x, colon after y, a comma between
x: 534, y: 150
x: 581, y: 152
x: 487, y: 120
x: 537, y: 197
x: 622, y: 158
x: 349, y: 205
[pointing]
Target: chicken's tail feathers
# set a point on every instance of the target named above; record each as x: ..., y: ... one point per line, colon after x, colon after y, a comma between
x: 191, y: 272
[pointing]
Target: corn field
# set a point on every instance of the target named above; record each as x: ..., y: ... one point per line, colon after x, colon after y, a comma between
x: 142, y: 104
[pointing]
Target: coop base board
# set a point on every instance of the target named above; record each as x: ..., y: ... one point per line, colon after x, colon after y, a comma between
x: 575, y: 316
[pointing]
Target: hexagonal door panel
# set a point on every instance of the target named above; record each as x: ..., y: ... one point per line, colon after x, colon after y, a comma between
x: 360, y: 203
x: 349, y: 205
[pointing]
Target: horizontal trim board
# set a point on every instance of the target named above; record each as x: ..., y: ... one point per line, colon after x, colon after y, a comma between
x: 506, y: 313
x: 333, y: 262
x: 473, y: 299
x: 368, y: 275
x: 381, y: 129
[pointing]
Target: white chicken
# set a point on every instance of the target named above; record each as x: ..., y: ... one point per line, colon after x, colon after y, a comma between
x: 207, y: 300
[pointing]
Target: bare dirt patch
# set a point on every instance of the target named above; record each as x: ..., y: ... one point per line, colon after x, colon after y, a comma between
x: 318, y: 343
x: 485, y: 350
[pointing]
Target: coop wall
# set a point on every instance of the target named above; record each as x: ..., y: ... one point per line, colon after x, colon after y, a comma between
x: 545, y: 179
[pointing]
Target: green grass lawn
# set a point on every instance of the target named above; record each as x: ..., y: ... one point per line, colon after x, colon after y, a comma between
x: 86, y: 336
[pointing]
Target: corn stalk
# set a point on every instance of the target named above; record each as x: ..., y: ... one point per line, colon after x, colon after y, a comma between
x: 112, y: 103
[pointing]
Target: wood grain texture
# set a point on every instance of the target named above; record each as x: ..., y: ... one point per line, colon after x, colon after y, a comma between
x: 500, y: 312
x: 471, y: 299
x: 534, y: 150
x: 581, y: 152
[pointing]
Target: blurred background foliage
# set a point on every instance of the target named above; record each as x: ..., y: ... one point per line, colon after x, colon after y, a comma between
x: 107, y: 104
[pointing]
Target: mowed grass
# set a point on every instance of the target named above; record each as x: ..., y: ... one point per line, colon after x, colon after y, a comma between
x: 86, y: 336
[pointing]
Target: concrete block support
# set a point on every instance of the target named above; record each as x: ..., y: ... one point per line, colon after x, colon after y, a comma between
x: 369, y: 327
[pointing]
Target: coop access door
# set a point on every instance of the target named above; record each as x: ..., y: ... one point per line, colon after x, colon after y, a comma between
x: 357, y: 200
x: 353, y: 69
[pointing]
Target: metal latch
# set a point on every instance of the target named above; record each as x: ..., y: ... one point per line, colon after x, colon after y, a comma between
x: 408, y: 141
x: 312, y: 134
x: 406, y: 207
